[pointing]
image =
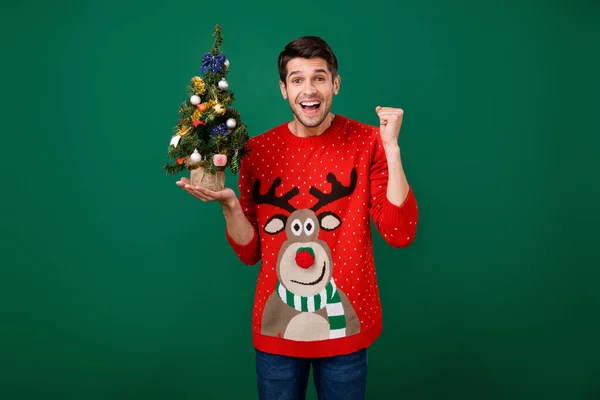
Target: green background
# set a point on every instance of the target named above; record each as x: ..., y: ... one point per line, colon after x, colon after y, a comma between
x: 116, y: 284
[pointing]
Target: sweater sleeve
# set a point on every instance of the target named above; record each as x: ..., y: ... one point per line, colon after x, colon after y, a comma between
x: 249, y: 253
x: 396, y: 224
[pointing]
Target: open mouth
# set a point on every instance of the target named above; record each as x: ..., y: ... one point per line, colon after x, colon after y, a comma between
x: 314, y: 282
x: 310, y: 107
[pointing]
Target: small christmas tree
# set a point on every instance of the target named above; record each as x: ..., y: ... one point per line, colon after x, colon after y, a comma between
x: 210, y: 136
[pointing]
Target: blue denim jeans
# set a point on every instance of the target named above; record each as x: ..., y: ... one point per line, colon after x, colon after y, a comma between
x: 336, y: 378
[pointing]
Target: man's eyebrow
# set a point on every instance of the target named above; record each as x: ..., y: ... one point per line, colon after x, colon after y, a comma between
x: 316, y: 71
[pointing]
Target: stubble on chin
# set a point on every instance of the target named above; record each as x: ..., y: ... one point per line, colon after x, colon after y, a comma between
x: 309, y: 122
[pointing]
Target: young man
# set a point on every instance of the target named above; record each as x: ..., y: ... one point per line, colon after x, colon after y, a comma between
x: 308, y: 191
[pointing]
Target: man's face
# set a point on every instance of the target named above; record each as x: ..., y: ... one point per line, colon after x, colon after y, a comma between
x: 309, y: 89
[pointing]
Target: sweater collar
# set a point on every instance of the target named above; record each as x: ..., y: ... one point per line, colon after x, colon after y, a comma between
x: 338, y: 125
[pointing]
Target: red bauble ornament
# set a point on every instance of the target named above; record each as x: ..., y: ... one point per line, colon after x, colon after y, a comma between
x: 198, y: 122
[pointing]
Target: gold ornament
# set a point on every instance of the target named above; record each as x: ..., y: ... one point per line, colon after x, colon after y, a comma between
x: 219, y: 108
x: 196, y: 115
x: 198, y: 85
x: 184, y: 131
x: 211, y: 103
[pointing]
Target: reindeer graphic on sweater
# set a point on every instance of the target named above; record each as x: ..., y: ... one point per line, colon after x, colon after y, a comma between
x: 306, y: 304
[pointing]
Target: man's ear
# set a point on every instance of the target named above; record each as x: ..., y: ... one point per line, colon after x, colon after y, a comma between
x: 336, y: 84
x: 283, y: 90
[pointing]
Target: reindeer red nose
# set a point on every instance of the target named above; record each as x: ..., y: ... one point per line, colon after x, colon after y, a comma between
x: 305, y: 257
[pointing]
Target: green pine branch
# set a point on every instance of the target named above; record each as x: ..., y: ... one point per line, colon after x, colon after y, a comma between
x: 172, y: 169
x: 216, y: 49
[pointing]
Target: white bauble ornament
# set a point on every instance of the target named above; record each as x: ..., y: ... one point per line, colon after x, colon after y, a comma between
x: 195, y: 156
x: 223, y: 85
x: 231, y: 123
x: 195, y: 99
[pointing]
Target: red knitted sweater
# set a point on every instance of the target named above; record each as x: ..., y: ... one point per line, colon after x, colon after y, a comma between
x: 311, y: 201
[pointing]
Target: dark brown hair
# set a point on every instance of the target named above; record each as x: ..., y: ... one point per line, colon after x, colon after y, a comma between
x: 307, y: 47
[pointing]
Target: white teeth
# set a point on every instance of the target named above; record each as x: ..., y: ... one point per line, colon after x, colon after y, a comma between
x: 311, y: 103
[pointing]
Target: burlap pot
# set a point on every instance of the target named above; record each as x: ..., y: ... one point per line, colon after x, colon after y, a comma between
x: 214, y: 182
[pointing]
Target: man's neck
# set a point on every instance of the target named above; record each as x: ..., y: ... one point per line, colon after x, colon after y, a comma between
x: 300, y: 130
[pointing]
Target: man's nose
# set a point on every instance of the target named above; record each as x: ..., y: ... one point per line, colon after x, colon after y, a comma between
x: 309, y: 88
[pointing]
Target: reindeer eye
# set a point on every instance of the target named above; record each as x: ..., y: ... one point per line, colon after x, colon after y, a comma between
x: 297, y: 227
x: 309, y: 226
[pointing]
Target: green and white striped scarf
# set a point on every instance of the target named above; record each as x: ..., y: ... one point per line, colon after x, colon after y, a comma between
x: 328, y: 298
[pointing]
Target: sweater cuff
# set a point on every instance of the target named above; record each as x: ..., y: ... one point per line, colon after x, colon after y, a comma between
x: 244, y: 251
x: 407, y: 211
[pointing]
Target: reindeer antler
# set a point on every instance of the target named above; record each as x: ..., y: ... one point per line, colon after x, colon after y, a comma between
x: 337, y: 190
x: 271, y: 198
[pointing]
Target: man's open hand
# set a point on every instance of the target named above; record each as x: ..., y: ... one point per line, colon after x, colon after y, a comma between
x: 226, y: 196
